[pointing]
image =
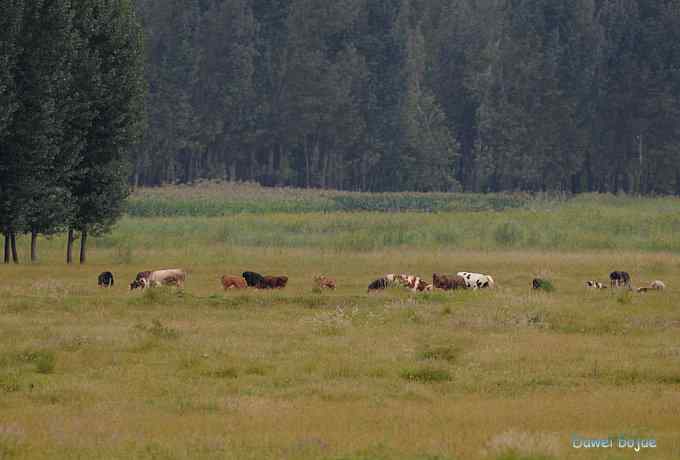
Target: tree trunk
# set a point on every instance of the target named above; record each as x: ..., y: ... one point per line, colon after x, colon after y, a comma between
x: 69, y: 246
x: 13, y: 242
x: 34, y: 246
x: 83, y: 246
x: 232, y: 171
x: 6, y: 247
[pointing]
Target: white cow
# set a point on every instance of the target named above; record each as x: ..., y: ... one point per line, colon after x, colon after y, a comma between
x: 477, y: 280
x: 658, y: 285
x: 166, y: 277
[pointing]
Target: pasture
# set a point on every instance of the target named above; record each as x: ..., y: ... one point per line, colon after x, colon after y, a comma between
x: 504, y: 374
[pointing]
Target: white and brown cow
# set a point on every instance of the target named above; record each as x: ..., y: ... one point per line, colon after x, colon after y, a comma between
x: 477, y: 280
x: 592, y: 284
x: 173, y: 276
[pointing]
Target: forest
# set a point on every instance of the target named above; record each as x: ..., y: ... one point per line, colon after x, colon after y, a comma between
x: 413, y: 95
x: 72, y: 98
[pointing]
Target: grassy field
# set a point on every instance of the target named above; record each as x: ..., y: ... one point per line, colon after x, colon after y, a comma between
x: 508, y: 374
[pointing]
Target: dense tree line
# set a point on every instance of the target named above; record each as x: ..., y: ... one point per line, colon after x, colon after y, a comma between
x: 478, y: 95
x: 72, y: 93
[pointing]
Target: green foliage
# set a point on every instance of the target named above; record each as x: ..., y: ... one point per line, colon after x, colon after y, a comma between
x: 426, y: 375
x: 72, y: 84
x: 211, y: 199
x: 585, y: 222
x: 44, y: 361
x: 508, y: 234
x: 404, y: 95
x: 546, y: 285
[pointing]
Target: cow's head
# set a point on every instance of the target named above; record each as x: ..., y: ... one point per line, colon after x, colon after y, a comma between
x: 137, y: 284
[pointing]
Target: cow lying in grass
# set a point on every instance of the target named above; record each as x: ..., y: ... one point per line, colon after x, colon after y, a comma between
x: 656, y: 285
x: 272, y: 282
x: 324, y: 282
x: 447, y: 282
x: 477, y: 280
x: 235, y: 282
x: 412, y: 282
x: 592, y: 284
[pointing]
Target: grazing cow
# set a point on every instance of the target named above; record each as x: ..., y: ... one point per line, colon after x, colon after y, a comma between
x: 141, y: 280
x: 235, y: 282
x: 324, y: 282
x: 417, y: 284
x: 143, y: 275
x: 385, y: 282
x: 174, y: 276
x: 273, y: 282
x: 448, y: 281
x: 422, y: 285
x: 105, y: 279
x: 477, y: 280
x: 140, y: 283
x: 411, y: 282
x: 592, y: 284
x: 619, y: 278
x: 253, y: 279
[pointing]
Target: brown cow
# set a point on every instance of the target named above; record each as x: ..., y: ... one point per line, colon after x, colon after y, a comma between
x: 273, y: 282
x: 448, y: 281
x: 236, y: 282
x: 324, y: 282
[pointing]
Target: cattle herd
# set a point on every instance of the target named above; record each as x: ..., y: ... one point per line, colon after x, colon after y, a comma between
x: 461, y: 280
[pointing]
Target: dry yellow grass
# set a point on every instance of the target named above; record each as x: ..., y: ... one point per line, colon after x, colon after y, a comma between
x: 293, y: 374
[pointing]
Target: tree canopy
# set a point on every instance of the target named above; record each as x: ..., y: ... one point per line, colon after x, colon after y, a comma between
x: 379, y: 95
x: 72, y: 83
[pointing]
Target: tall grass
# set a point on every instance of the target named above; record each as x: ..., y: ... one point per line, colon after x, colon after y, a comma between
x: 580, y: 224
x: 210, y: 199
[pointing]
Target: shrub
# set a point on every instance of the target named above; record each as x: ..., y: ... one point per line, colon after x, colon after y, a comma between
x: 426, y: 375
x: 546, y: 285
x: 224, y: 373
x: 444, y: 353
x: 44, y: 361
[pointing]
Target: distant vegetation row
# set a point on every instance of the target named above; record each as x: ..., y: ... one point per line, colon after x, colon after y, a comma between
x: 213, y: 199
x: 217, y: 199
x: 251, y: 216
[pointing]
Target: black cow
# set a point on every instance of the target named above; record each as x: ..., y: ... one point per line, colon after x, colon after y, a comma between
x: 618, y: 278
x: 105, y: 279
x: 253, y: 279
x: 380, y: 283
